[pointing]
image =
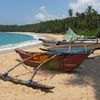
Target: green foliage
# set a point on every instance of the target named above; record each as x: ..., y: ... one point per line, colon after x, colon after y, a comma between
x: 86, y: 23
x: 87, y: 32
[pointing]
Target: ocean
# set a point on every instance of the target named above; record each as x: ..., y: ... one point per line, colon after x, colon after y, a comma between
x: 13, y: 40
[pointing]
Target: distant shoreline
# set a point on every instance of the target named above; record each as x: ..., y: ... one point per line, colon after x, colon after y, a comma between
x: 19, y: 45
x: 39, y: 35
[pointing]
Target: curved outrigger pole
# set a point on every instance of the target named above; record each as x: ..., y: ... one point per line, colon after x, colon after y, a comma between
x: 30, y: 82
x: 35, y: 85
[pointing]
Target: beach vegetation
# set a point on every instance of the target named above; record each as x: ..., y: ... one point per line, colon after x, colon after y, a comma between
x: 86, y: 23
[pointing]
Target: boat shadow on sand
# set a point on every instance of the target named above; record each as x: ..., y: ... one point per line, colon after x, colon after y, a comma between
x: 88, y: 75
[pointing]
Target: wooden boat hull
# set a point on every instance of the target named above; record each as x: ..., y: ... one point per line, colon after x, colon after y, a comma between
x: 66, y: 63
x: 77, y: 44
x: 73, y: 46
x: 61, y: 62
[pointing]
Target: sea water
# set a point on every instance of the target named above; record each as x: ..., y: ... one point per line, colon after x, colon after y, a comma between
x: 13, y: 40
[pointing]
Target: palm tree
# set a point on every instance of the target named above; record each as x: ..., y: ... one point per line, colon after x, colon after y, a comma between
x: 77, y: 20
x: 89, y: 16
x: 89, y: 10
x: 77, y: 14
x: 70, y: 12
x: 95, y: 15
x: 70, y: 23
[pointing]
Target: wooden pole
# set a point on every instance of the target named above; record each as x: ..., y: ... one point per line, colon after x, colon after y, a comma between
x: 6, y: 73
x: 19, y: 64
x: 85, y: 46
x: 35, y: 71
x: 70, y: 44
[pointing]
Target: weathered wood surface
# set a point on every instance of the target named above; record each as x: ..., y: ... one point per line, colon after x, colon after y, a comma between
x: 34, y: 85
x: 39, y: 67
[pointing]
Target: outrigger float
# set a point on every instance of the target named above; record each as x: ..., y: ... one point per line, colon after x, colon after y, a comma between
x: 57, y: 60
x: 30, y: 83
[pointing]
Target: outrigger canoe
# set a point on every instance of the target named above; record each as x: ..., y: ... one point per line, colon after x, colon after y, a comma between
x: 75, y: 46
x: 61, y: 61
x: 50, y: 43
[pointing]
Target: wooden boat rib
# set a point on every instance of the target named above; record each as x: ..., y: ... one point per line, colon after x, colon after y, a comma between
x: 63, y: 62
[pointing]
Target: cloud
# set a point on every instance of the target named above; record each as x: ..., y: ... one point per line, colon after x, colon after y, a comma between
x: 81, y: 5
x: 43, y: 15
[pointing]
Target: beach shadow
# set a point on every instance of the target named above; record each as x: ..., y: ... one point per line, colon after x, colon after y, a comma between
x: 50, y: 73
x: 87, y: 76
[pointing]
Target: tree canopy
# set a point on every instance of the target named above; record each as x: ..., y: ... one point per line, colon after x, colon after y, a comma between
x: 85, y: 23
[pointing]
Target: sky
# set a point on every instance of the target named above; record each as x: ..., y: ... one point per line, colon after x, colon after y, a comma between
x: 22, y: 12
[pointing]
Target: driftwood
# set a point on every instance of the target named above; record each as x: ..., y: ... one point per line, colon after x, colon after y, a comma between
x: 34, y: 85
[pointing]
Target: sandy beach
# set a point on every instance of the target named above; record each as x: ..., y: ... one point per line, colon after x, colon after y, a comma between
x: 82, y: 84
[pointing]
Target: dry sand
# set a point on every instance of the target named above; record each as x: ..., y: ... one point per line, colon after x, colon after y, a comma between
x: 82, y: 84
